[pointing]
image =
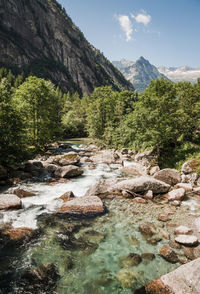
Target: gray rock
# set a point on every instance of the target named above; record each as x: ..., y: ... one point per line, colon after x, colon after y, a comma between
x: 177, y: 194
x: 68, y: 171
x: 187, y: 240
x: 142, y: 185
x: 169, y: 176
x: 9, y: 201
x: 187, y: 187
x: 183, y: 280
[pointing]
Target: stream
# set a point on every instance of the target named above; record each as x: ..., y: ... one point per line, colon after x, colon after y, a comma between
x: 89, y: 254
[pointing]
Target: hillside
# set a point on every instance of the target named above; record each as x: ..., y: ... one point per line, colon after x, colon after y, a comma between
x: 38, y: 36
x: 139, y: 73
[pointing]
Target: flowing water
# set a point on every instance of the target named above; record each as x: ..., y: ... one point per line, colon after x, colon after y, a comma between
x: 86, y: 252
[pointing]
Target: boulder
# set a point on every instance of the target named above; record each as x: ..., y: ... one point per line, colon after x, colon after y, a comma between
x: 22, y: 193
x: 190, y: 178
x: 182, y: 230
x: 187, y: 240
x: 190, y: 166
x: 50, y: 167
x: 185, y: 186
x: 70, y: 158
x: 101, y: 188
x: 67, y: 196
x: 33, y: 165
x: 135, y: 169
x: 9, y: 201
x: 141, y: 185
x: 3, y: 173
x: 154, y: 169
x: 106, y: 156
x: 183, y: 280
x: 168, y: 254
x: 177, y: 194
x: 169, y: 176
x: 84, y: 205
x: 68, y: 171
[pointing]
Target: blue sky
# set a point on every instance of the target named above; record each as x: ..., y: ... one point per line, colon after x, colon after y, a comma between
x: 166, y: 32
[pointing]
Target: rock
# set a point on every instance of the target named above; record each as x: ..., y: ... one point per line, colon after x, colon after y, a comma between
x: 84, y: 205
x: 33, y: 165
x: 70, y: 158
x: 68, y: 171
x: 106, y: 156
x: 148, y: 195
x: 147, y: 257
x: 189, y: 252
x: 182, y: 230
x: 187, y: 240
x: 50, y: 167
x: 124, y: 151
x: 147, y: 229
x: 135, y: 169
x: 139, y: 200
x: 185, y: 186
x: 174, y: 245
x: 177, y: 194
x: 149, y: 155
x: 9, y: 201
x: 22, y: 193
x: 154, y: 170
x: 190, y: 178
x: 183, y: 280
x: 132, y: 259
x: 3, y: 173
x: 190, y: 166
x: 169, y: 176
x: 67, y: 196
x: 176, y: 203
x: 165, y: 234
x: 141, y: 185
x: 16, y: 236
x: 168, y: 254
x: 126, y: 278
x: 164, y: 217
x: 101, y: 188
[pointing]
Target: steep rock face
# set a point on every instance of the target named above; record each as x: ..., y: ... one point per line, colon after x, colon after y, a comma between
x: 139, y: 73
x: 39, y: 37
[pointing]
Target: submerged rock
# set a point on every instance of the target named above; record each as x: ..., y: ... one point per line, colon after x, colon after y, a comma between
x: 22, y: 193
x: 141, y: 185
x: 147, y: 257
x: 68, y: 171
x: 16, y: 236
x: 84, y: 205
x: 168, y: 254
x: 126, y: 278
x: 187, y: 240
x: 147, y: 229
x: 183, y: 280
x: 132, y: 259
x: 9, y: 201
x: 169, y: 176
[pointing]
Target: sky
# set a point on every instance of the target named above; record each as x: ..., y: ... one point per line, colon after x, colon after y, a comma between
x: 166, y: 32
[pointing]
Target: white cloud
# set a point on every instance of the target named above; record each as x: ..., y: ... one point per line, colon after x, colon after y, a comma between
x: 126, y: 26
x: 143, y: 18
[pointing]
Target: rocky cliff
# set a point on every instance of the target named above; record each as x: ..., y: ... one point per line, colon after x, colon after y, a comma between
x: 139, y: 73
x: 38, y: 36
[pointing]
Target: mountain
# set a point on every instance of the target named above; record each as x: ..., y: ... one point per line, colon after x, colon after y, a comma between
x: 183, y: 73
x: 38, y: 36
x: 139, y: 73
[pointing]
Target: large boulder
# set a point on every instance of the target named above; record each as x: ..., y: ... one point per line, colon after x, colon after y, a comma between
x: 83, y: 205
x: 68, y: 171
x: 183, y: 280
x: 101, y: 188
x: 190, y: 166
x: 141, y: 185
x: 169, y: 176
x: 9, y: 201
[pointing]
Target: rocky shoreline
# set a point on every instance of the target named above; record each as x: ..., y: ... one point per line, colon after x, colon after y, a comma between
x: 158, y: 200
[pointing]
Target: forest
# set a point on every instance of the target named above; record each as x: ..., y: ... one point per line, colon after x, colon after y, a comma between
x: 33, y: 113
